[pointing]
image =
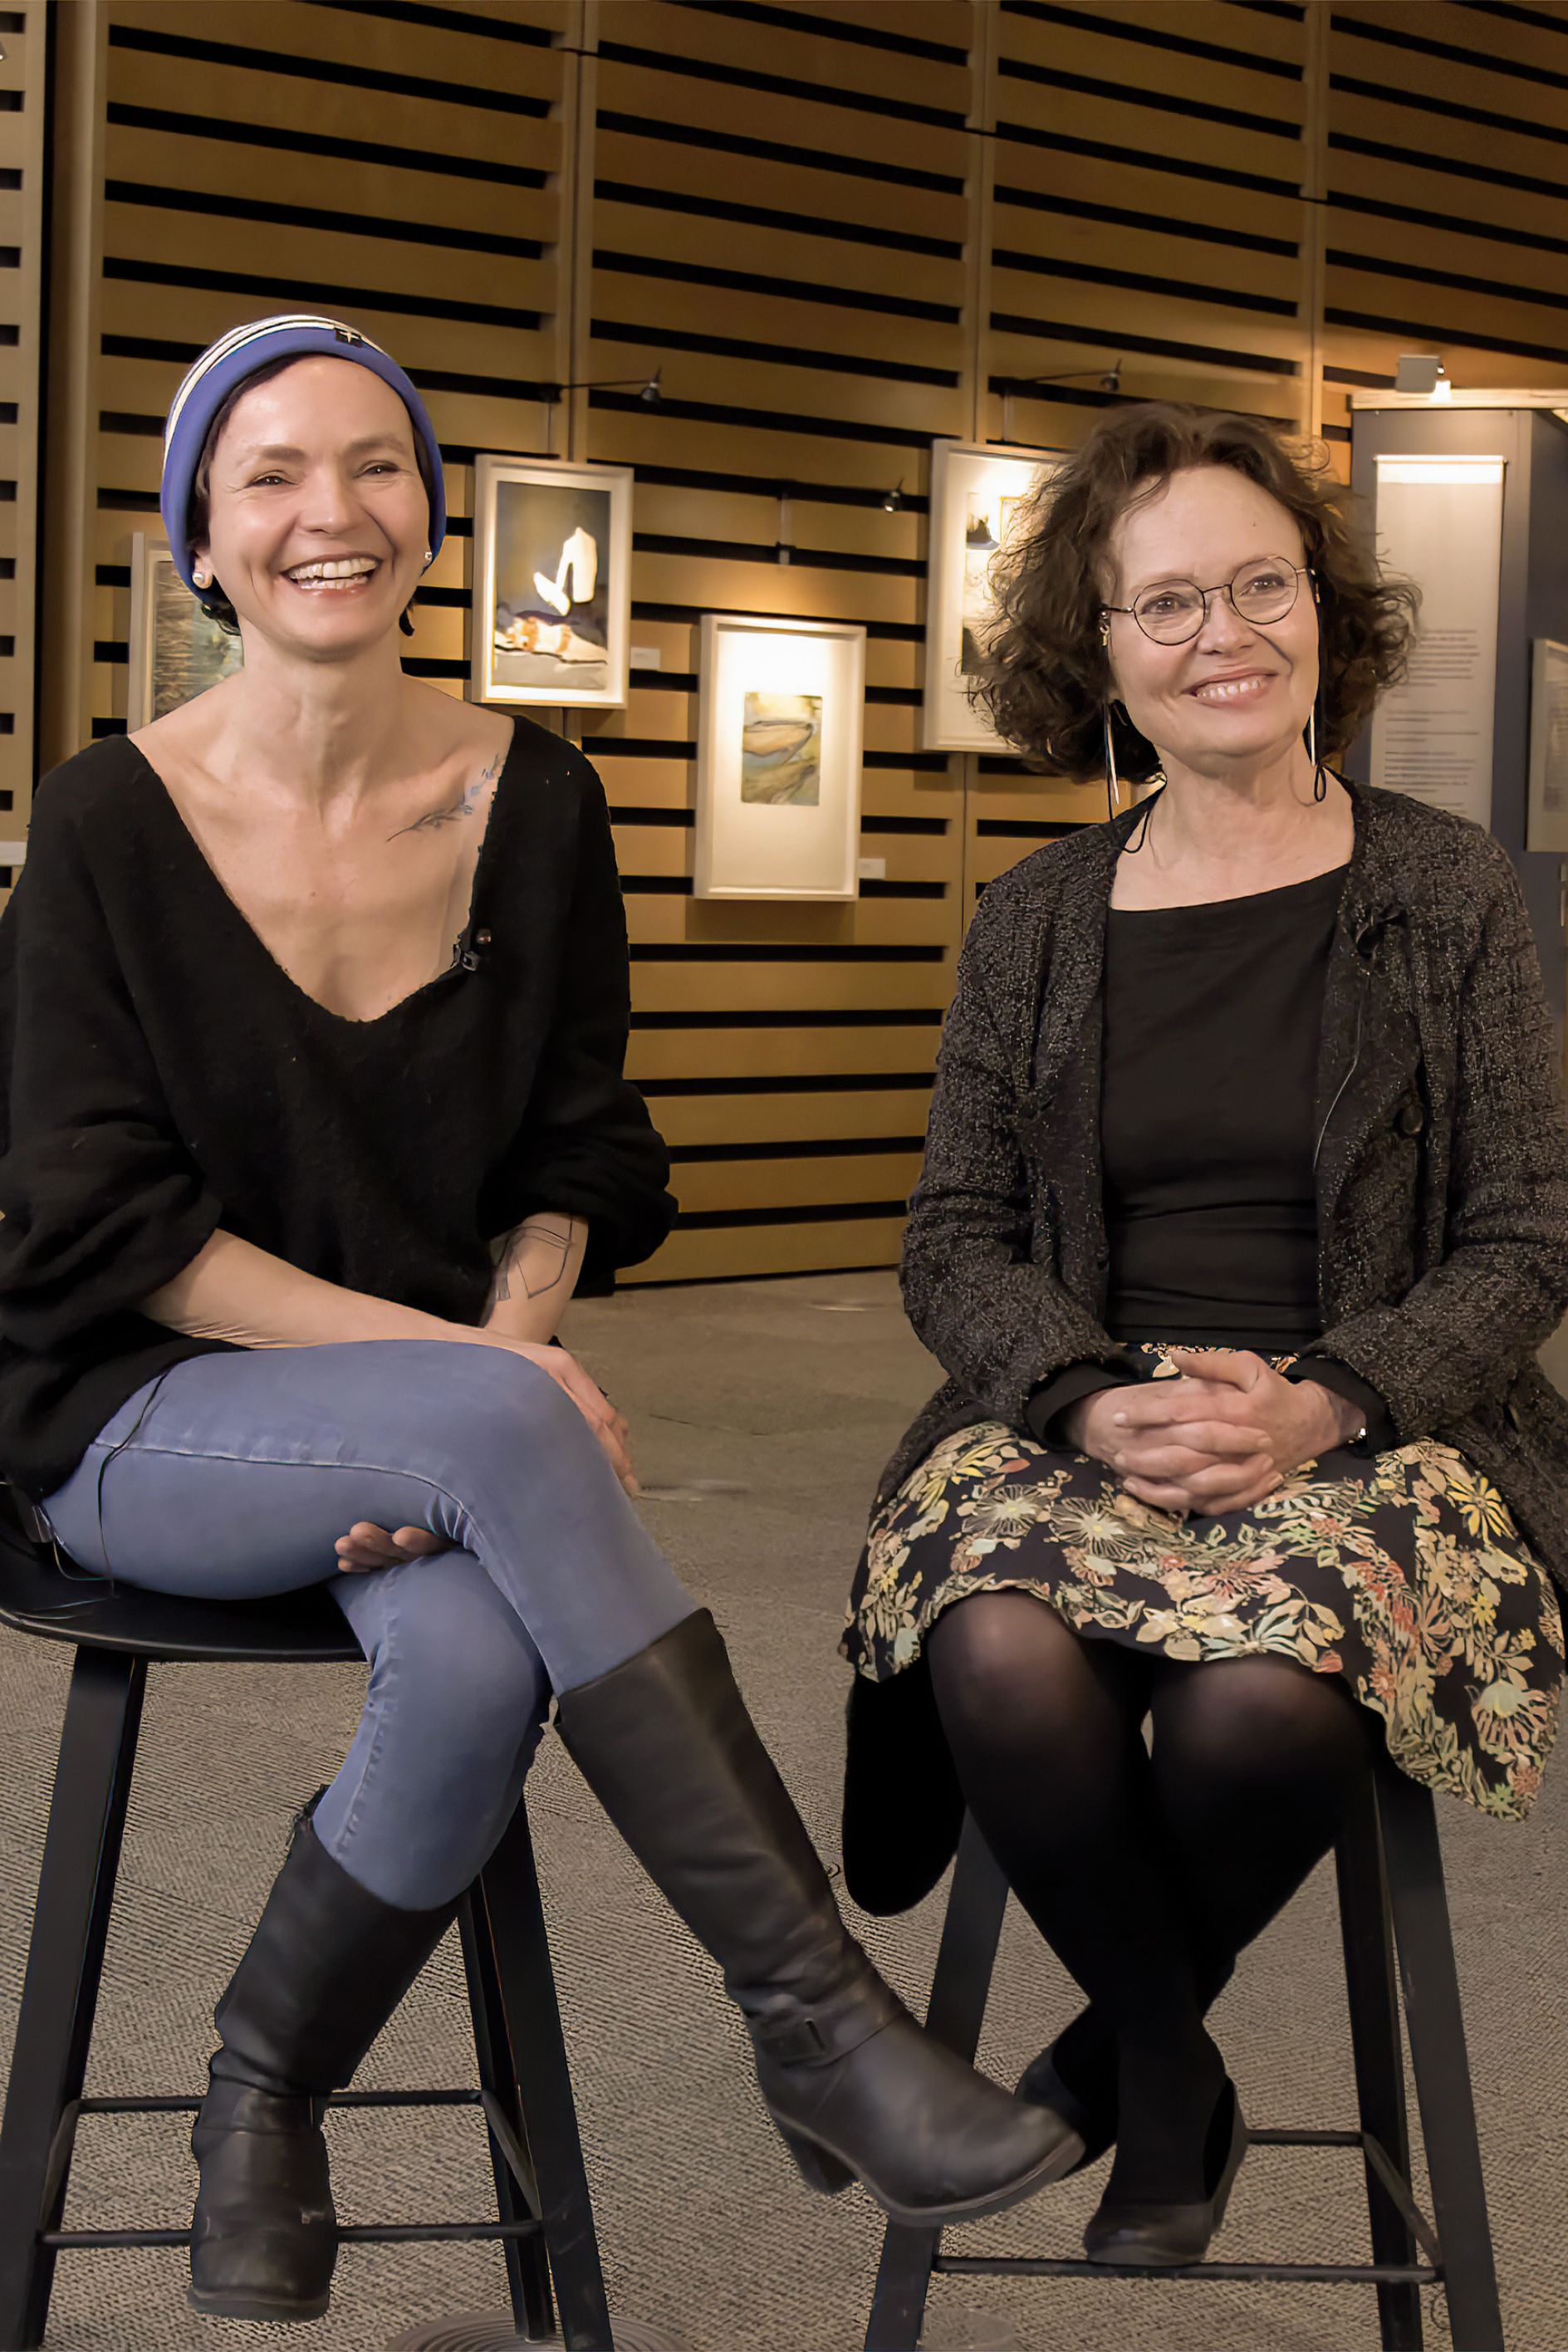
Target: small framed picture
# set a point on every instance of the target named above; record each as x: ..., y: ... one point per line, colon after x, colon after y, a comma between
x: 779, y: 733
x: 552, y: 576
x: 976, y: 496
x: 176, y: 653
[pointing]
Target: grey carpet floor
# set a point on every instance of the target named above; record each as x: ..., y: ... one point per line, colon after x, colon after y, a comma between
x: 765, y: 1408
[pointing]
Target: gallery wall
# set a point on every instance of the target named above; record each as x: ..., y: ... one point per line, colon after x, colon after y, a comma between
x: 839, y: 228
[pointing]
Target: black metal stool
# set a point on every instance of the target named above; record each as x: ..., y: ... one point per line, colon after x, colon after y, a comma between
x: 1391, y: 1896
x: 546, y: 2217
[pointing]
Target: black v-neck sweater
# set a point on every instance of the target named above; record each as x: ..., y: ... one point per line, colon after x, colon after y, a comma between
x: 162, y: 1077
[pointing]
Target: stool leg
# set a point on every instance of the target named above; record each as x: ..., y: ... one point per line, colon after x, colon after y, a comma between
x: 515, y: 1916
x: 65, y: 1963
x: 969, y: 1935
x: 1379, y: 2055
x: 526, y: 2261
x: 1434, y: 2019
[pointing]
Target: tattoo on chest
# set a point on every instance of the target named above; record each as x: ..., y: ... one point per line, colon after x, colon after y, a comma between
x: 454, y: 811
x: 534, y: 1259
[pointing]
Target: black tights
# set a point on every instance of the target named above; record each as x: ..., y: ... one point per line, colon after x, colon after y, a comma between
x: 1146, y: 1873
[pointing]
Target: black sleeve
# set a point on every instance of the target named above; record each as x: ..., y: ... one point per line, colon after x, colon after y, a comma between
x: 100, y: 1202
x: 587, y: 1146
x: 1053, y: 1397
x: 1381, y: 1434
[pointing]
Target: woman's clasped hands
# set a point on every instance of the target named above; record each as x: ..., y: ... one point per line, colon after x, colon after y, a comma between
x: 1220, y: 1435
x: 367, y: 1547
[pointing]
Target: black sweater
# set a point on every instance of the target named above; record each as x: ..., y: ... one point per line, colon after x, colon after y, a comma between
x: 1212, y: 1017
x: 161, y: 1076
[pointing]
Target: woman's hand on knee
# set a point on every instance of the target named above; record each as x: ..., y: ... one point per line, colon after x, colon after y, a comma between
x: 366, y: 1547
x: 590, y: 1400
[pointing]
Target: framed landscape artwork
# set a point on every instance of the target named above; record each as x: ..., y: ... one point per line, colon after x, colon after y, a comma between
x: 551, y: 604
x: 176, y: 653
x: 976, y: 496
x: 778, y: 758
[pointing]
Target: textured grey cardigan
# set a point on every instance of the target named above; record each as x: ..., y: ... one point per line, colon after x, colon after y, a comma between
x: 1441, y: 1175
x: 1441, y: 1171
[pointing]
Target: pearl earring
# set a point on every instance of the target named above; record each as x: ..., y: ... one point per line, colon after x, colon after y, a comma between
x: 429, y: 559
x: 202, y: 579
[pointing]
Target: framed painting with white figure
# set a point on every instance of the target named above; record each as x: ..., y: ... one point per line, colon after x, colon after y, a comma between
x: 176, y: 652
x: 779, y: 734
x: 552, y: 601
x: 977, y: 495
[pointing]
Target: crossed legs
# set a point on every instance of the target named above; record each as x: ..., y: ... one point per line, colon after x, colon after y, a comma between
x: 1146, y: 1871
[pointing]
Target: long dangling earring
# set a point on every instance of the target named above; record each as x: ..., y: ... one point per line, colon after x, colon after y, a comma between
x: 1112, y: 781
x: 1320, y: 784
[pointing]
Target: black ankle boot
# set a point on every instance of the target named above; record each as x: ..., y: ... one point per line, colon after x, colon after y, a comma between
x: 326, y: 1968
x: 854, y: 2086
x: 1143, y: 2235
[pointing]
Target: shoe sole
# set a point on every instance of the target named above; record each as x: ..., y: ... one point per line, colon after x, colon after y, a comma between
x: 257, y: 2307
x: 826, y: 2169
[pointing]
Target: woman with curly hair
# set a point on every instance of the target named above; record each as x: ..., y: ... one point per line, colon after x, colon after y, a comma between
x: 1244, y: 1212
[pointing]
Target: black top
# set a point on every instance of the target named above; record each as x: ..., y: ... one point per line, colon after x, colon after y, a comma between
x: 161, y: 1076
x: 1212, y: 1018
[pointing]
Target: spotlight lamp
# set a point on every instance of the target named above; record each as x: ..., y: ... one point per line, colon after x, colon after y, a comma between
x: 893, y: 500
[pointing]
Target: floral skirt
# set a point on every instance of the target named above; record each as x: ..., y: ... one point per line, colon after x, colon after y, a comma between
x: 1401, y: 1571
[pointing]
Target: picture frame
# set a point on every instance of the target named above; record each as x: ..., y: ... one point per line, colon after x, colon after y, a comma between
x: 551, y: 584
x: 781, y: 726
x: 176, y: 651
x: 975, y: 489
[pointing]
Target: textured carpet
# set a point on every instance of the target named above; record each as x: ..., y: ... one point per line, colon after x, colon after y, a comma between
x: 766, y: 1410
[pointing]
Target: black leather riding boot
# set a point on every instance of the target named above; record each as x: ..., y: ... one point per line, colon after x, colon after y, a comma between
x: 854, y: 2086
x: 326, y: 1968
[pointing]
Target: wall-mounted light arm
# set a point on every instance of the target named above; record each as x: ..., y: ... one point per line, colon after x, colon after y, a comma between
x: 1107, y: 379
x: 649, y: 391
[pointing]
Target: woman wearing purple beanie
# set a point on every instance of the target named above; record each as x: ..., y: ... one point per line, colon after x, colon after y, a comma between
x: 314, y: 997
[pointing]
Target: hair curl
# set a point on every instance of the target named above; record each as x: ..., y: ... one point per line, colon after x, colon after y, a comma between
x: 1047, y: 681
x: 213, y: 601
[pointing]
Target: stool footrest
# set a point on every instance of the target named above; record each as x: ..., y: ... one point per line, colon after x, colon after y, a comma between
x: 188, y: 2105
x: 354, y: 2234
x: 1300, y: 2273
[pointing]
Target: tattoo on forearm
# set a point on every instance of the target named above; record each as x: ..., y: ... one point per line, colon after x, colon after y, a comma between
x: 535, y: 1259
x: 464, y: 806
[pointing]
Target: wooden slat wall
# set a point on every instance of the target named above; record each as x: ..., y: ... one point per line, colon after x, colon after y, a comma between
x: 841, y: 228
x: 22, y: 209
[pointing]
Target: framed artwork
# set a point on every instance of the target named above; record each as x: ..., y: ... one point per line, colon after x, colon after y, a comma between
x: 176, y: 653
x: 976, y: 495
x: 779, y: 732
x: 552, y: 575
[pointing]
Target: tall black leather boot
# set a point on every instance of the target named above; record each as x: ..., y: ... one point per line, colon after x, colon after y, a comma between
x: 326, y: 1968
x: 853, y: 2084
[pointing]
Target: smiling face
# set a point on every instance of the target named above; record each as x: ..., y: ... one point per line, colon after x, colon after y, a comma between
x: 317, y: 515
x: 1238, y: 694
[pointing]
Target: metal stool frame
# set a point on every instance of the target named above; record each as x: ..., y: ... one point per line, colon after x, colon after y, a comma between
x: 1392, y: 1904
x: 545, y: 2213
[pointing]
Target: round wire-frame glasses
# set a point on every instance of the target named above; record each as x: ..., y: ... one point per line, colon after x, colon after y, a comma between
x: 1174, y: 609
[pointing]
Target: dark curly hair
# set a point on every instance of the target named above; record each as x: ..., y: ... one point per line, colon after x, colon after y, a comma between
x: 213, y: 601
x: 1047, y: 679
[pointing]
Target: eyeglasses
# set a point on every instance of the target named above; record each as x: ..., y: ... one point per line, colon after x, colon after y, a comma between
x: 1262, y: 590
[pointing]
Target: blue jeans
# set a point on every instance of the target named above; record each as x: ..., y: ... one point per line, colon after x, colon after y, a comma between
x: 232, y: 1477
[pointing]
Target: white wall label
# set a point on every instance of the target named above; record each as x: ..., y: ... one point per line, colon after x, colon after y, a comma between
x: 1439, y: 521
x: 646, y: 657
